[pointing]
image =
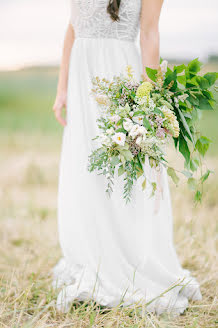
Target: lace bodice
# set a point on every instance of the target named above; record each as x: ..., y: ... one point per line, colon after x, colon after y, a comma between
x: 91, y: 20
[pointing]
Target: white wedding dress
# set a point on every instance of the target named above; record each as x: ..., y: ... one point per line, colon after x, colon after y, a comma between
x: 112, y: 252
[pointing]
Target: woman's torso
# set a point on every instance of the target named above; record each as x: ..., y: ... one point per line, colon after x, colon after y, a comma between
x: 91, y: 20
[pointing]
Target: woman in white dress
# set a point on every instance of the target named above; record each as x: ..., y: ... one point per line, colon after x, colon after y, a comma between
x: 112, y: 252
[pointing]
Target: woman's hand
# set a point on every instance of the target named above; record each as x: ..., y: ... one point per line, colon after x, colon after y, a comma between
x: 60, y: 106
x: 61, y: 99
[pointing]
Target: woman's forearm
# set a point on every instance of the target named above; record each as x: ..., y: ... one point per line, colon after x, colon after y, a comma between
x: 149, y: 36
x: 150, y: 49
x: 65, y: 62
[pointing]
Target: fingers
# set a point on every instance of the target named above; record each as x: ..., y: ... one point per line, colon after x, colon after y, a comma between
x: 58, y: 107
x: 59, y: 118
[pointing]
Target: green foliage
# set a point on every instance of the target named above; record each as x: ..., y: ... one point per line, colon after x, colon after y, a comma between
x: 152, y: 74
x: 184, y: 149
x: 146, y: 123
x: 144, y: 184
x: 211, y: 78
x: 194, y: 67
x: 202, y: 145
x: 179, y: 97
x: 205, y: 176
x: 171, y: 172
x: 192, y: 183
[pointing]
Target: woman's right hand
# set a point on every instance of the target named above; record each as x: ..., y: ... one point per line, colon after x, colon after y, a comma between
x: 59, y: 106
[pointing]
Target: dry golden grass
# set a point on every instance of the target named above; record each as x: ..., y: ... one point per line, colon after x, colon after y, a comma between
x: 29, y: 246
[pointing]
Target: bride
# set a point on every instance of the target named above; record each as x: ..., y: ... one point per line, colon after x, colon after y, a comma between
x: 114, y: 253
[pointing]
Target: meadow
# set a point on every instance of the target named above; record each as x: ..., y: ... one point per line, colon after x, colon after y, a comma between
x: 30, y: 143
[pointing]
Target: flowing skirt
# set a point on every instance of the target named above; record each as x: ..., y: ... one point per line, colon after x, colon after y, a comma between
x: 114, y: 253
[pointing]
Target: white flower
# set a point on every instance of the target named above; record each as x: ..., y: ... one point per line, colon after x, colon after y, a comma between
x: 134, y: 131
x: 115, y: 118
x: 110, y: 131
x: 138, y: 119
x: 127, y: 124
x: 131, y: 114
x: 182, y: 98
x: 163, y: 66
x: 119, y: 138
x: 105, y: 140
x: 142, y: 130
x: 139, y: 140
x: 152, y: 104
x: 142, y: 101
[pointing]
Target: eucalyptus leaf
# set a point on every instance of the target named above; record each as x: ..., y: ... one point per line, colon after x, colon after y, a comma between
x: 115, y: 160
x: 187, y: 174
x: 198, y: 196
x: 121, y: 170
x: 139, y: 113
x: 184, y: 149
x: 206, y: 176
x: 146, y: 123
x: 192, y: 183
x: 194, y: 164
x: 185, y: 124
x: 171, y: 172
x: 154, y: 188
x: 144, y: 184
x: 127, y: 154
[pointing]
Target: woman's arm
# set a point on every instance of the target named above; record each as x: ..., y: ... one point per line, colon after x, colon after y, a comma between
x: 149, y: 36
x: 61, y: 97
x: 150, y: 49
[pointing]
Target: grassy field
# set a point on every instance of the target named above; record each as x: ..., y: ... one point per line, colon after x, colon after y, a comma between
x: 30, y: 142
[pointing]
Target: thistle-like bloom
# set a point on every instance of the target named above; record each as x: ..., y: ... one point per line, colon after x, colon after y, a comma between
x: 119, y: 138
x: 170, y: 116
x: 144, y: 90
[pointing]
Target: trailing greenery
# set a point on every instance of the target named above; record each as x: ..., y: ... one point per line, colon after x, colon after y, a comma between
x: 185, y: 79
x: 138, y: 118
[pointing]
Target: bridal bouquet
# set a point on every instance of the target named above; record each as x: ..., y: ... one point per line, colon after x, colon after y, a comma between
x: 138, y: 118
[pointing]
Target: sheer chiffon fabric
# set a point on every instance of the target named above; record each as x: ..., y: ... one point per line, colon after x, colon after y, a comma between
x: 112, y: 252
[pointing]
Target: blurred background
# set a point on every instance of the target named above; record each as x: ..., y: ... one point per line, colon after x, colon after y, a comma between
x: 31, y: 38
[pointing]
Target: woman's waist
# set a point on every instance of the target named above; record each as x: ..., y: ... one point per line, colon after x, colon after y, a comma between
x: 101, y: 39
